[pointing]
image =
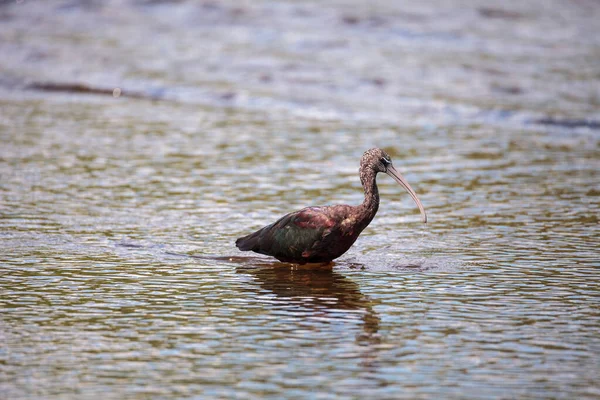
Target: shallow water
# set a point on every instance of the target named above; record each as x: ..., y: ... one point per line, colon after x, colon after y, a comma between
x: 118, y: 273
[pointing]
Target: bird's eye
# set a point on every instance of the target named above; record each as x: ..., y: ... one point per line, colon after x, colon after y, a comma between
x: 386, y: 161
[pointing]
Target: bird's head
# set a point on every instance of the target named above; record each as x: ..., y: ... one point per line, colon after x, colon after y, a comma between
x: 378, y: 160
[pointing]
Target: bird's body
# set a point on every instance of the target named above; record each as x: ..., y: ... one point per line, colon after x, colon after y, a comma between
x: 310, y: 235
x: 322, y: 234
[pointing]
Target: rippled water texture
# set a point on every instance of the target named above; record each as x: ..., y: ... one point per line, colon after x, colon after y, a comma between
x: 119, y: 209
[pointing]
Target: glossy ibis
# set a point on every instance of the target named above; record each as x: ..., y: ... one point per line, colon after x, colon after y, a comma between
x: 322, y: 234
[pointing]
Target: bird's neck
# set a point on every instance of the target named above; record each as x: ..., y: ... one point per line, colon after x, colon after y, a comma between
x: 370, y: 204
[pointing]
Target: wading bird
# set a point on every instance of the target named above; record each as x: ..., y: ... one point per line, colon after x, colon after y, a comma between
x: 322, y: 234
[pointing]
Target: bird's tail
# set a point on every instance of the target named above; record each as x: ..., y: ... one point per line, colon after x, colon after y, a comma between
x: 248, y: 243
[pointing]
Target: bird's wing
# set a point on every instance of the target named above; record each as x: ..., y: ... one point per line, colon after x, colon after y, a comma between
x: 293, y: 236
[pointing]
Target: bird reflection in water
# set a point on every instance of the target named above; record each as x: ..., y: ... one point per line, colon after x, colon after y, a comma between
x: 320, y: 289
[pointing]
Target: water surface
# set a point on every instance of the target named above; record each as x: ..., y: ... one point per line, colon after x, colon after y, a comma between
x: 118, y: 273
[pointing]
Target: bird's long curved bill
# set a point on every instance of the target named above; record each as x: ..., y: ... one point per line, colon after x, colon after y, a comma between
x: 391, y: 171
